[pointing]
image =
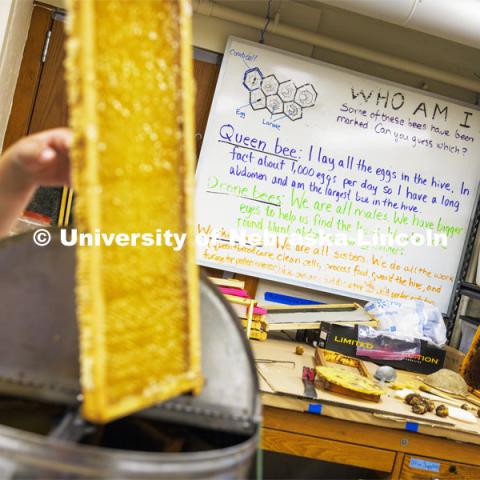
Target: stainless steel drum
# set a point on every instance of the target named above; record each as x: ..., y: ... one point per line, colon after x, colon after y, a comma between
x: 42, y: 434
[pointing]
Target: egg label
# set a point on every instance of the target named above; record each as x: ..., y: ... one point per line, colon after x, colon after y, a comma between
x: 420, y: 464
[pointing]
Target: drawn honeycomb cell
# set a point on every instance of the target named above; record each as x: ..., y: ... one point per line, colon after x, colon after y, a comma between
x: 292, y: 110
x: 306, y: 96
x: 270, y: 85
x: 252, y: 79
x: 274, y: 104
x: 257, y: 99
x: 283, y: 98
x: 287, y: 90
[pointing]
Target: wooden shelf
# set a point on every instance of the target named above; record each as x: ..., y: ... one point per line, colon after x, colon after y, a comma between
x: 470, y: 290
x: 470, y: 320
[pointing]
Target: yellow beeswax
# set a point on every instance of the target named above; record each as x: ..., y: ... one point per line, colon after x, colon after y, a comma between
x: 129, y: 72
x: 349, y: 380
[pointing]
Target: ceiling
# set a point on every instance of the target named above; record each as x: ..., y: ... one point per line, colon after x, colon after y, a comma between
x: 368, y: 32
x: 373, y: 34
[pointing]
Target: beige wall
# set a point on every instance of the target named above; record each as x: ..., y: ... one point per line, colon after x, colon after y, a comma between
x: 14, y: 22
x: 212, y: 34
x: 57, y: 3
x: 5, y: 7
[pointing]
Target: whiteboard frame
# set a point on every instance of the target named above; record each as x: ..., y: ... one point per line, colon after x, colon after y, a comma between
x: 466, y: 251
x: 464, y: 265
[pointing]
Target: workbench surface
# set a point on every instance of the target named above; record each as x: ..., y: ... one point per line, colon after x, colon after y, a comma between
x: 384, y: 436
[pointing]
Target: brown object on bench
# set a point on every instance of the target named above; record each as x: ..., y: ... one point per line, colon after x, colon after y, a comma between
x: 345, y: 382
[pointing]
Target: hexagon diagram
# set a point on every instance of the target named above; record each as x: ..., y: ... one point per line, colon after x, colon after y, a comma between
x: 252, y: 79
x: 292, y: 110
x: 274, y: 104
x: 270, y: 85
x: 306, y: 95
x: 257, y: 99
x: 279, y: 98
x: 287, y: 90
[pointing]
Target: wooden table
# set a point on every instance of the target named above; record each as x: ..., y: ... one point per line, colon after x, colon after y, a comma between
x: 340, y: 434
x: 368, y: 446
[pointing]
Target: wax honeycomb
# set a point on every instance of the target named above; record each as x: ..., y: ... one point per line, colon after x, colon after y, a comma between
x: 129, y: 75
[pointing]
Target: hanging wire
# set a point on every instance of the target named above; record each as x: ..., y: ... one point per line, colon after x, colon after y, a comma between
x: 268, y: 19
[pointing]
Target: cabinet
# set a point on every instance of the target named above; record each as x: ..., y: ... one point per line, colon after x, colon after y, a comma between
x: 422, y: 468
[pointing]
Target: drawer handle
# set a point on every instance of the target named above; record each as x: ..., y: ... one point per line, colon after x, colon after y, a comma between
x: 452, y: 469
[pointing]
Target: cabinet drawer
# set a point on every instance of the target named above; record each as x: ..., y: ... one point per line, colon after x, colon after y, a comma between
x: 422, y: 468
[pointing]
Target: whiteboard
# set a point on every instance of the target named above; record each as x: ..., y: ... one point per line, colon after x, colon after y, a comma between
x: 303, y: 149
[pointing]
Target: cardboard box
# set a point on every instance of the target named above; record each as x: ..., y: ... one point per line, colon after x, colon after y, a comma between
x: 343, y: 339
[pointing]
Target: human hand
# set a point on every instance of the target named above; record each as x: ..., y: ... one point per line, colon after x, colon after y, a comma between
x: 41, y: 159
